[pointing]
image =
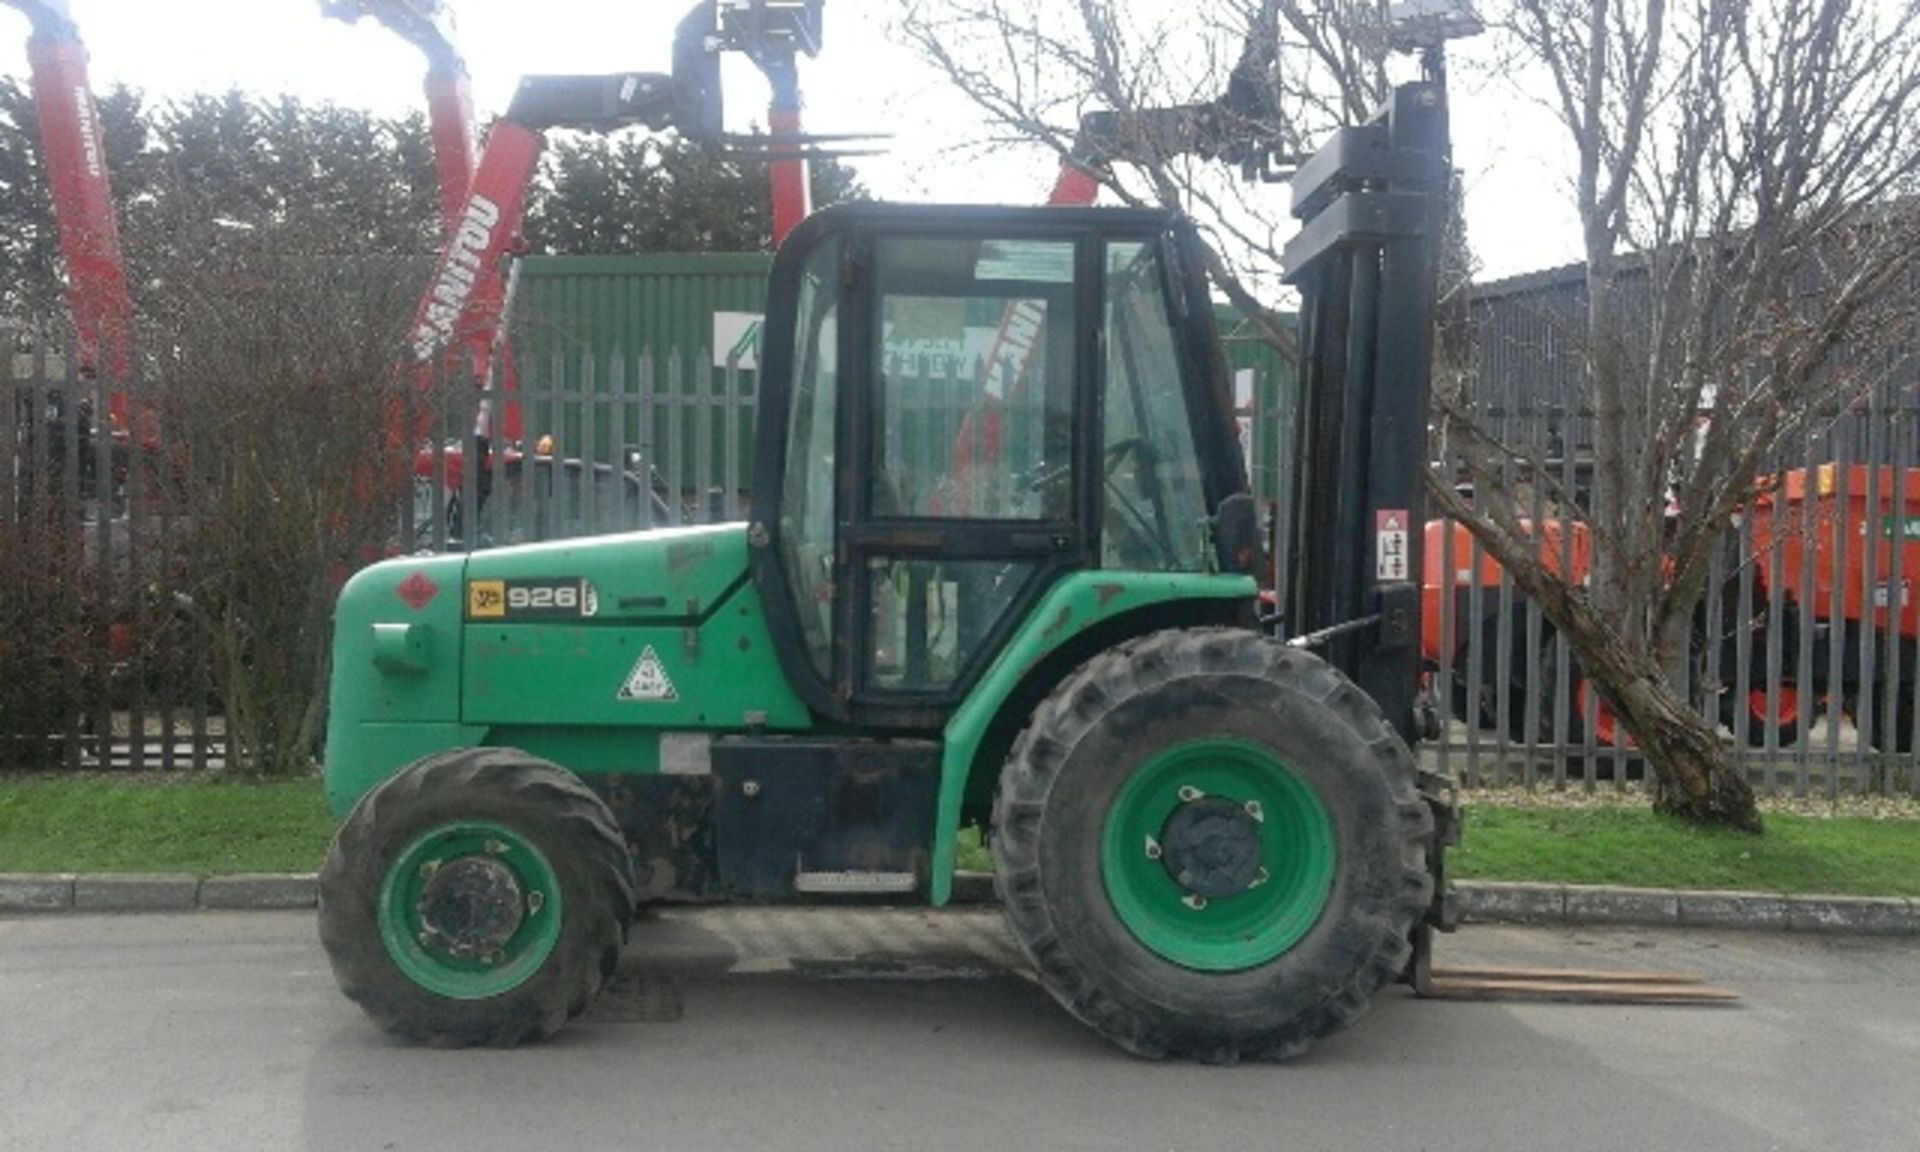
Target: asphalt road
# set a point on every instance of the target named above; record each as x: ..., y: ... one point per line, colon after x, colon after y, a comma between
x: 741, y: 1029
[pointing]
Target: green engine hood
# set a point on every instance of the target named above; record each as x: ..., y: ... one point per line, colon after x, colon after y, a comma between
x: 670, y: 574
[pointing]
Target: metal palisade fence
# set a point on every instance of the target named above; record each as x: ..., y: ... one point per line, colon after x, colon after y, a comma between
x: 1804, y: 648
x: 101, y: 662
x: 1806, y: 640
x: 609, y: 443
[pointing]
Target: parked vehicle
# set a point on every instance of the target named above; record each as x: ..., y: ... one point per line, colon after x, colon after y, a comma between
x: 1214, y: 842
x: 1809, y: 553
x: 1841, y: 543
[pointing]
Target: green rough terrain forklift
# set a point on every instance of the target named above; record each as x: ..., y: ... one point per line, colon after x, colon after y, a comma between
x: 1002, y: 570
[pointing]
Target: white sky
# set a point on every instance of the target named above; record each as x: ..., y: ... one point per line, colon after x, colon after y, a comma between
x: 1518, y: 215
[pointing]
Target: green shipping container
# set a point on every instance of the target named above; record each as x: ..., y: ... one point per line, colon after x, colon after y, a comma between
x: 585, y: 326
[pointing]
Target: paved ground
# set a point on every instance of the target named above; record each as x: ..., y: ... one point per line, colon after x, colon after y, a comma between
x: 842, y: 1030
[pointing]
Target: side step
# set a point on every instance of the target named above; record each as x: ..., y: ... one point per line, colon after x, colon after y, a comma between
x: 1569, y: 985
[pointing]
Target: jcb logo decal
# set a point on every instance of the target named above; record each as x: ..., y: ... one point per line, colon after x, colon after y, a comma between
x: 487, y: 599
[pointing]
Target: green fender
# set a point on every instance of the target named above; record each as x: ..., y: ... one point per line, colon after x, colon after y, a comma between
x: 1076, y: 603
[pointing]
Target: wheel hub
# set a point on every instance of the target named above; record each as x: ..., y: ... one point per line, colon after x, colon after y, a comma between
x: 471, y: 907
x: 1211, y: 847
x: 1217, y: 855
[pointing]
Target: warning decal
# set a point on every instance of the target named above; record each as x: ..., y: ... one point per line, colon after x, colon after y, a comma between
x: 648, y: 680
x: 1390, y: 544
x: 417, y: 590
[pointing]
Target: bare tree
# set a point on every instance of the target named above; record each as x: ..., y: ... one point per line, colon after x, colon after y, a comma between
x: 1740, y: 177
x: 273, y: 363
x: 1033, y: 67
x: 1739, y: 172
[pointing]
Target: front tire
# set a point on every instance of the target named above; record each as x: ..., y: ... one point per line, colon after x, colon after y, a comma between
x: 1210, y: 846
x: 479, y: 896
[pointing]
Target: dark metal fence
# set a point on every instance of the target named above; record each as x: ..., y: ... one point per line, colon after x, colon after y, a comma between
x: 101, y: 665
x: 1804, y: 647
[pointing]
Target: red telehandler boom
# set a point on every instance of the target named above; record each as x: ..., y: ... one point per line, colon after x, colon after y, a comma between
x: 76, y: 166
x: 429, y: 26
x: 468, y: 295
x: 77, y: 176
x: 773, y: 35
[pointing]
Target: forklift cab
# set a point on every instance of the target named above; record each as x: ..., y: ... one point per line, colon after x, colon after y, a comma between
x: 961, y: 405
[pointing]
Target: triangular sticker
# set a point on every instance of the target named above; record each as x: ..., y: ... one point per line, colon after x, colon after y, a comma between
x: 648, y: 680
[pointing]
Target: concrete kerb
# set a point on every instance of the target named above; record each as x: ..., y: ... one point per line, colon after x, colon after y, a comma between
x: 1484, y: 901
x: 36, y: 893
x: 1488, y: 902
x: 263, y: 890
x: 136, y: 892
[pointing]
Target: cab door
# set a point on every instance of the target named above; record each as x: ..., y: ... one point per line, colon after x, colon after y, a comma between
x: 965, y: 405
x: 965, y: 498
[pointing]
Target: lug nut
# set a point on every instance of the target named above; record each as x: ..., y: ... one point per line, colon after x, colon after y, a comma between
x: 535, y: 902
x: 496, y: 848
x: 1189, y: 793
x: 1254, y: 810
x: 1153, y: 849
x: 1195, y: 901
x: 428, y: 869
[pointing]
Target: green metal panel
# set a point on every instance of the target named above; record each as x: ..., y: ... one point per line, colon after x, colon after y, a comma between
x: 668, y: 575
x: 633, y: 303
x: 1274, y: 397
x: 1073, y: 605
x: 395, y: 687
x: 580, y: 320
x: 476, y: 664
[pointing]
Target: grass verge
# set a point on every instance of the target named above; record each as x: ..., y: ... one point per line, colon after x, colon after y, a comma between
x: 1638, y: 848
x: 94, y: 824
x: 129, y: 824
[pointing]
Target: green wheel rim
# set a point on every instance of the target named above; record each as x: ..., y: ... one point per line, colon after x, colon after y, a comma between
x: 521, y: 916
x: 1250, y: 926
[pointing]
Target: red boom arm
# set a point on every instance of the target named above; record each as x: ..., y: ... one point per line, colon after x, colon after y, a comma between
x: 429, y: 26
x: 466, y: 295
x: 450, y: 120
x: 791, y: 179
x: 76, y: 167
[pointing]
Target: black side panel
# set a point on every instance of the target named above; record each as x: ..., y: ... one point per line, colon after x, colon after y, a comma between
x: 668, y: 824
x: 820, y: 805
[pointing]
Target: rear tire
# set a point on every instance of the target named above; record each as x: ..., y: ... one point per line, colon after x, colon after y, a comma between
x: 1203, y: 725
x: 1787, y: 727
x: 479, y: 896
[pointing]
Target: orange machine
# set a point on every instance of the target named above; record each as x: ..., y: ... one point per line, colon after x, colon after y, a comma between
x: 1800, y: 510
